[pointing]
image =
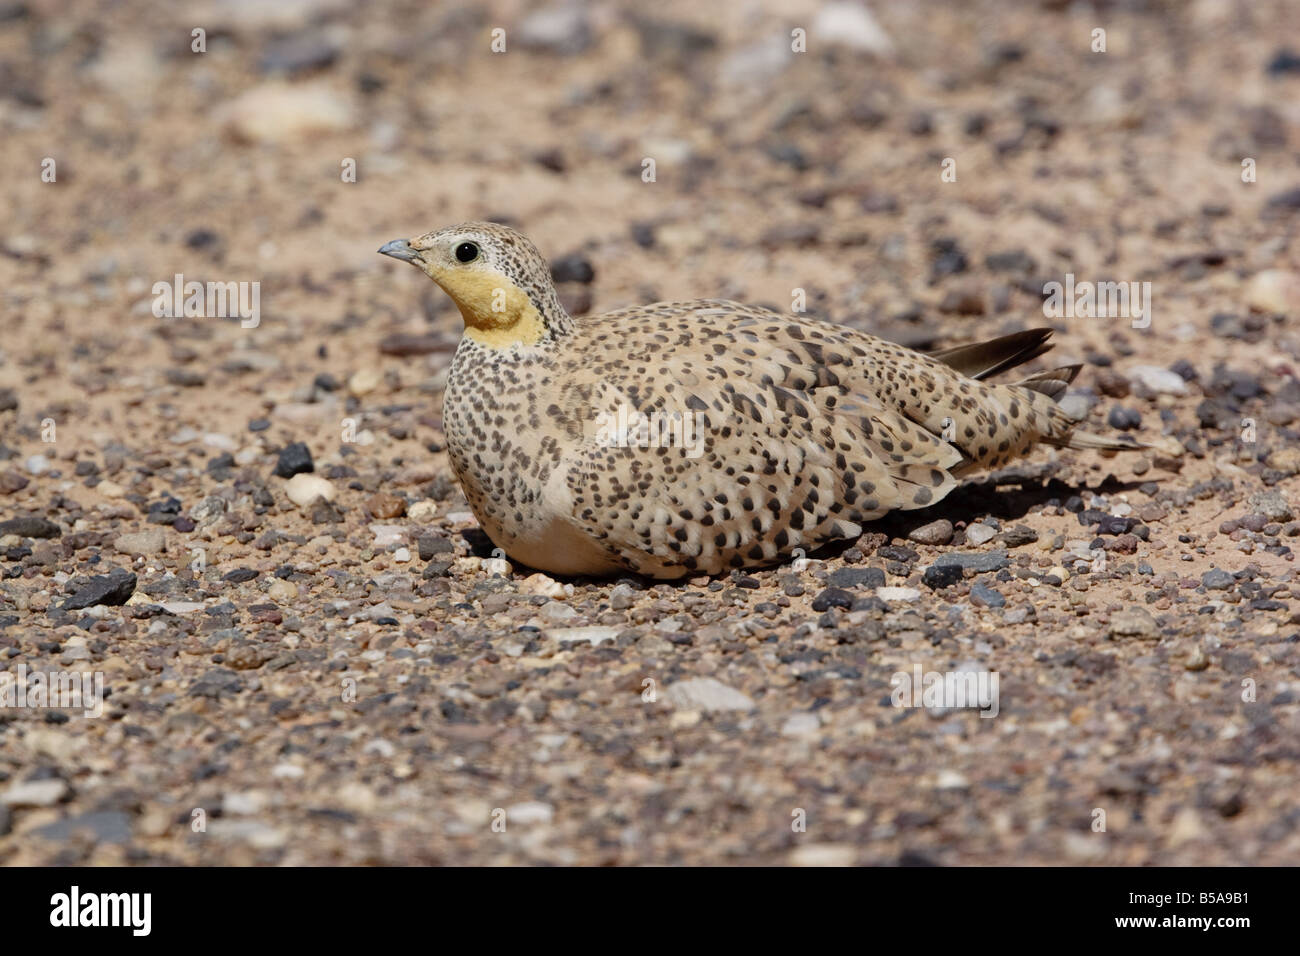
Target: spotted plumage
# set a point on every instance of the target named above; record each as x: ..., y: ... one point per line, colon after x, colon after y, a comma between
x: 764, y: 433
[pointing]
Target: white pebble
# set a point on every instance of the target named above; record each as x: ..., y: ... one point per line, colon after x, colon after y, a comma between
x: 246, y: 804
x: 707, y: 694
x: 572, y: 635
x: 950, y: 780
x: 802, y: 724
x: 34, y: 793
x: 218, y: 440
x: 386, y: 534
x: 1274, y: 291
x: 1161, y: 381
x: 365, y: 381
x: 422, y: 511
x: 303, y: 489
x: 852, y: 25
x: 543, y: 585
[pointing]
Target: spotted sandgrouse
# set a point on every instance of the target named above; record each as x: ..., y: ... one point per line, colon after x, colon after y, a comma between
x: 770, y: 433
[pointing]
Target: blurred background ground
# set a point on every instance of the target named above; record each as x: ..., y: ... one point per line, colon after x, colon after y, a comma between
x: 1122, y: 685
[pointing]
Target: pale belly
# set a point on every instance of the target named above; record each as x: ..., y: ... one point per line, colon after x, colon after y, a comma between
x: 557, y: 548
x: 545, y: 536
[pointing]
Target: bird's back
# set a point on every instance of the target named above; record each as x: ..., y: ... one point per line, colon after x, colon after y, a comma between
x: 793, y: 431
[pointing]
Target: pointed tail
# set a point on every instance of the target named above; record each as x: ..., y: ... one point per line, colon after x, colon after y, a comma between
x: 1062, y: 432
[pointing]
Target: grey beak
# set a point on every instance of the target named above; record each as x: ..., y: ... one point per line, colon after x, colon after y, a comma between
x: 399, y: 249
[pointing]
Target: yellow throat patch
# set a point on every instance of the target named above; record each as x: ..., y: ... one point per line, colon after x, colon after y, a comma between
x: 497, y: 312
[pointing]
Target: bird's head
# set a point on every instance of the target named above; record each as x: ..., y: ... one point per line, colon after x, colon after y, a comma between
x: 496, y: 277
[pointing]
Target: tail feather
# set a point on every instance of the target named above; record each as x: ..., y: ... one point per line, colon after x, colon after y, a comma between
x: 1054, y: 383
x: 980, y: 360
x: 1045, y: 422
x: 1081, y: 440
x: 1060, y: 429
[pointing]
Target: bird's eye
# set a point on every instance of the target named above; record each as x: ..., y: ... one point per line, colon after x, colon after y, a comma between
x: 466, y: 252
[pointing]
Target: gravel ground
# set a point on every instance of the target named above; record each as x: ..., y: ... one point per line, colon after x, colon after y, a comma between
x: 295, y: 681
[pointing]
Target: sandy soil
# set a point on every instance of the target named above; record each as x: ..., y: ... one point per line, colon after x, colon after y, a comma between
x: 362, y: 682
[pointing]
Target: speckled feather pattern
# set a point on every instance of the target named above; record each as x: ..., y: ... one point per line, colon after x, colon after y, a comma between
x: 808, y: 430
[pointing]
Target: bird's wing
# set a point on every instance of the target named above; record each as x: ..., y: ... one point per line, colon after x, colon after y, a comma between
x: 768, y: 453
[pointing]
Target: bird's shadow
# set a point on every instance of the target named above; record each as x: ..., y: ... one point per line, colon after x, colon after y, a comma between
x: 1007, y: 495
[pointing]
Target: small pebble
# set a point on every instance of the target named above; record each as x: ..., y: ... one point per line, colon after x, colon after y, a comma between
x: 1124, y: 419
x: 935, y: 533
x: 303, y: 489
x: 294, y: 459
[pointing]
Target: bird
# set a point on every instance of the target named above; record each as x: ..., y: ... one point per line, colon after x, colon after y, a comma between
x: 700, y: 437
